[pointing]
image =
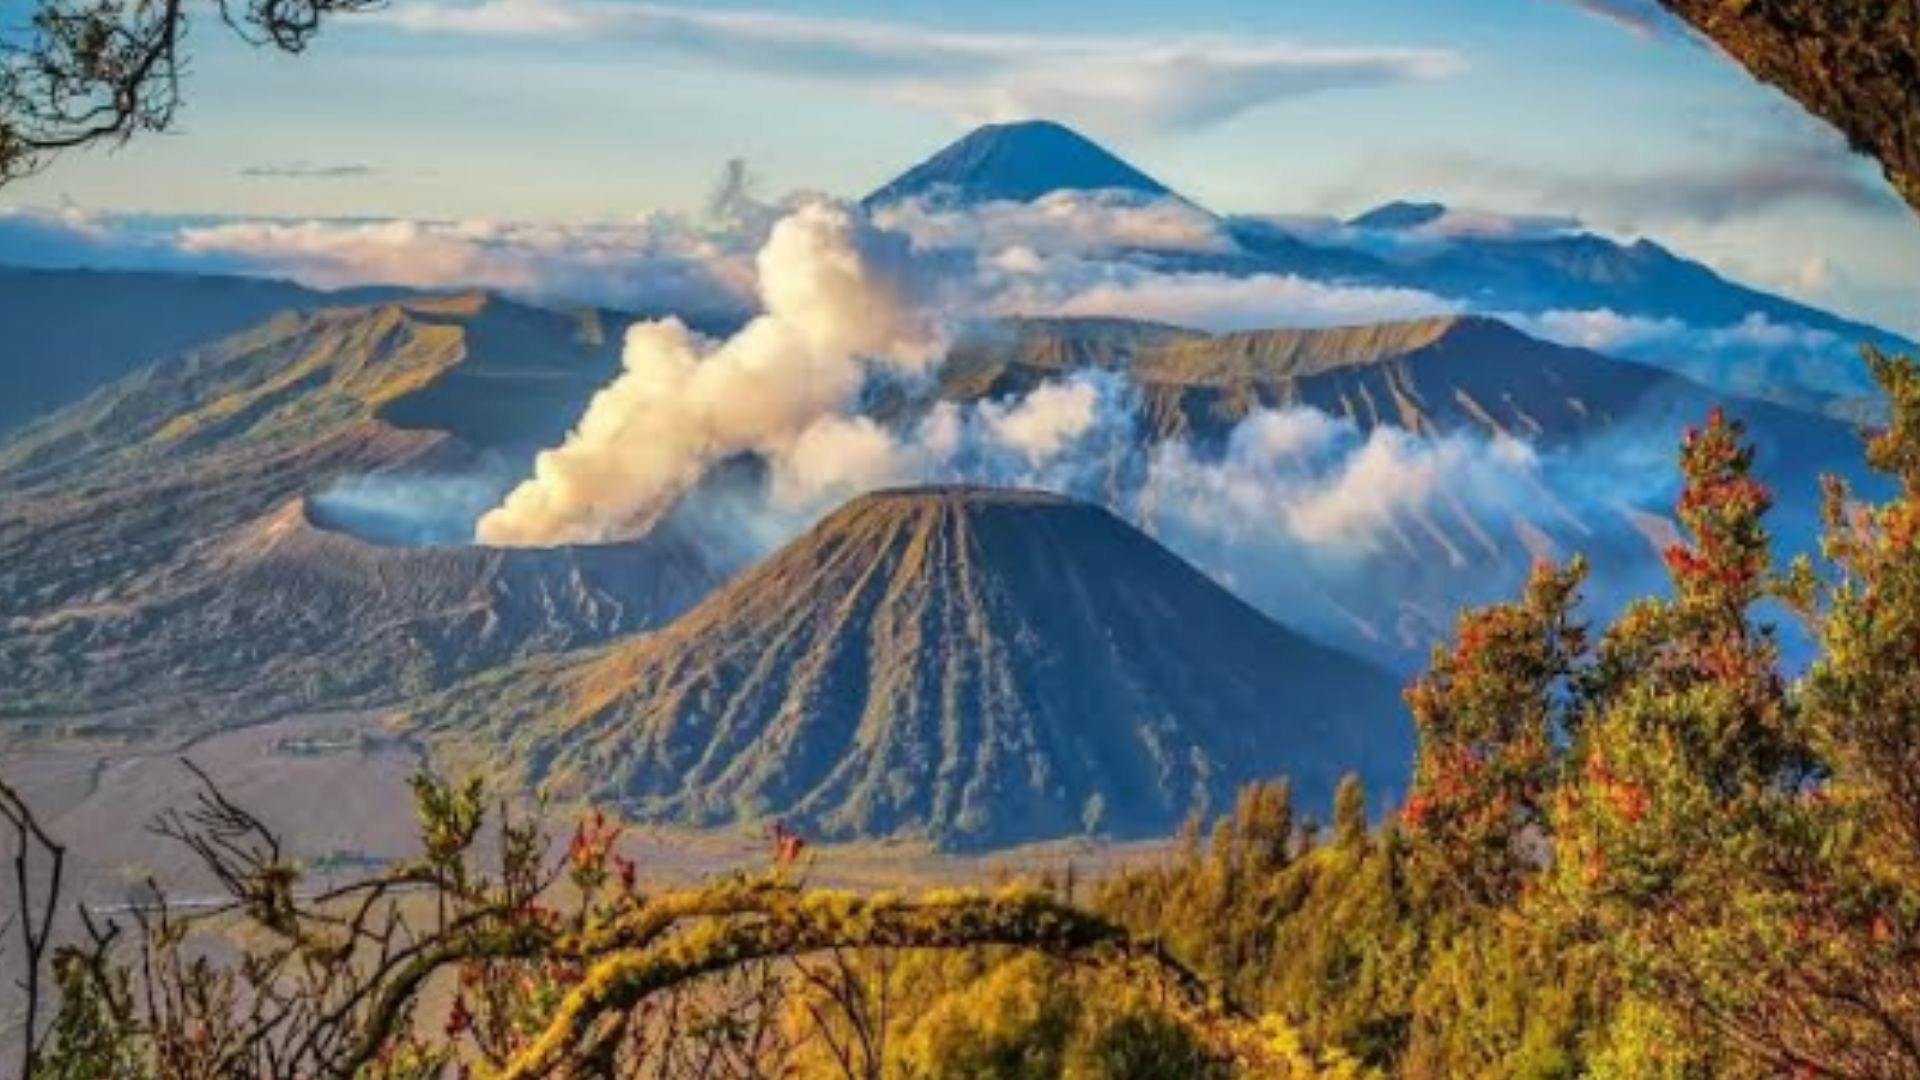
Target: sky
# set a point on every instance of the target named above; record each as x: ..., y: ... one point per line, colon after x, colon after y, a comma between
x: 582, y: 111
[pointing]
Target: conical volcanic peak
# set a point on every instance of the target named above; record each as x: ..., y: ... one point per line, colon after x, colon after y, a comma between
x: 1017, y: 162
x: 974, y: 666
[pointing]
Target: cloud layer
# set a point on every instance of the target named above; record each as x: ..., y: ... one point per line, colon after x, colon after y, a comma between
x: 1643, y: 18
x: 1217, y: 302
x: 656, y: 263
x: 308, y: 170
x: 1070, y: 253
x: 1112, y: 83
x: 1756, y: 356
x: 1813, y: 170
x: 1063, y: 222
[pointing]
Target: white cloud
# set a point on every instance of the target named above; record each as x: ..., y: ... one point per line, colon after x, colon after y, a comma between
x: 1061, y: 222
x: 1755, y: 356
x: 1205, y: 300
x: 1793, y: 170
x: 1451, y: 224
x: 837, y: 456
x: 63, y: 236
x: 1065, y: 436
x: 1117, y: 254
x: 1817, y: 274
x: 1605, y: 330
x: 310, y: 170
x: 1642, y: 18
x: 1459, y: 223
x: 1301, y: 512
x: 1117, y: 83
x: 1600, y: 329
x: 1043, y: 422
x: 1325, y: 487
x: 651, y: 263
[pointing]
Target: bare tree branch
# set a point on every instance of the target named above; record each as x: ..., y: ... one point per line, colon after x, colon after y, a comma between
x: 85, y: 72
x: 34, y: 915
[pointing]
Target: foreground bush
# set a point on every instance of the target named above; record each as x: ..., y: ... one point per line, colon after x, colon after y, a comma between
x: 562, y: 965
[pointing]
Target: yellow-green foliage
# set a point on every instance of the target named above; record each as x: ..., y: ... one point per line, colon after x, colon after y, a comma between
x: 1327, y: 938
x: 1013, y: 1022
x: 981, y: 1016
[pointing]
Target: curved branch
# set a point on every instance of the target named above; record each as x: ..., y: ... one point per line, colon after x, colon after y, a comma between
x: 636, y: 929
x: 788, y: 925
x: 86, y: 72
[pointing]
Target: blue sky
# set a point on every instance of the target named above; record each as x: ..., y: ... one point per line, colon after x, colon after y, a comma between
x: 577, y: 110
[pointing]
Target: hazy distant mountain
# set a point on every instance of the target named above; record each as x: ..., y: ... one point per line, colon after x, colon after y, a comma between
x: 978, y: 667
x: 1769, y: 347
x: 169, y: 552
x: 1585, y: 271
x: 69, y: 332
x: 1018, y: 162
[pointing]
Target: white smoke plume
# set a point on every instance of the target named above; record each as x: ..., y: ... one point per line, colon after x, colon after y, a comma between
x: 410, y: 509
x: 837, y: 296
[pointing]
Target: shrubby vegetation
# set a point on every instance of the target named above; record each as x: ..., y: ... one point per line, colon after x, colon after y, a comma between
x: 1641, y: 850
x: 489, y: 956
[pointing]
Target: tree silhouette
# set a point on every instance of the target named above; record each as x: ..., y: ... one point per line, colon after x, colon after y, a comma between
x: 84, y: 72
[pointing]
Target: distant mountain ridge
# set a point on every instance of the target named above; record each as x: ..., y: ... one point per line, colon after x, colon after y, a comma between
x: 470, y: 366
x: 68, y: 332
x: 977, y: 667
